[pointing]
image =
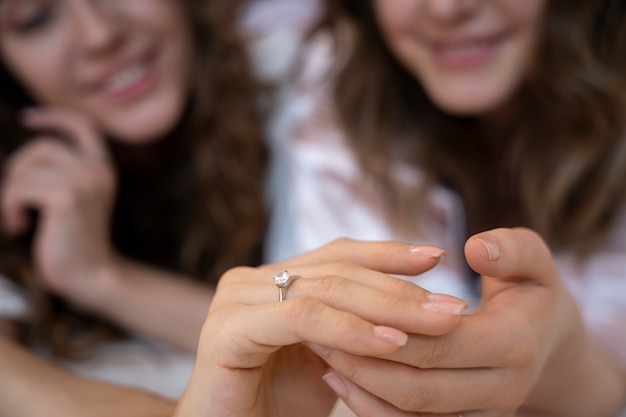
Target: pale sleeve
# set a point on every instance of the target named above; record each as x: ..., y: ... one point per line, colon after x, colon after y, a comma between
x: 599, y: 286
x: 13, y: 300
x: 598, y: 283
x: 318, y: 193
x: 274, y: 30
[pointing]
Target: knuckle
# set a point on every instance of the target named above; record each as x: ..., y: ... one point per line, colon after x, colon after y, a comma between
x: 325, y: 284
x: 336, y: 268
x: 304, y: 308
x: 340, y: 242
x: 65, y: 198
x: 416, y: 399
x: 337, y: 245
x: 432, y: 353
x: 234, y: 275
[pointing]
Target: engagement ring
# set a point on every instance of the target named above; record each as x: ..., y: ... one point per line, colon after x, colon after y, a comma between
x: 283, y: 280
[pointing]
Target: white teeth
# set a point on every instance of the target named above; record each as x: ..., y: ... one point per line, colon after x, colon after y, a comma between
x: 126, y: 78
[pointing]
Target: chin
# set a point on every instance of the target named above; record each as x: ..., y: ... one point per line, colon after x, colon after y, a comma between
x: 146, y: 127
x: 469, y: 104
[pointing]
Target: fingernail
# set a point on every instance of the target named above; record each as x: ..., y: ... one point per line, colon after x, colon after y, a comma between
x: 428, y: 251
x: 445, y: 297
x: 391, y: 335
x: 493, y: 250
x: 453, y: 308
x: 336, y: 384
x: 319, y: 350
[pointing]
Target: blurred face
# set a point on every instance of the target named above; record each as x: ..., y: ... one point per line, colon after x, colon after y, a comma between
x: 470, y: 55
x: 125, y: 63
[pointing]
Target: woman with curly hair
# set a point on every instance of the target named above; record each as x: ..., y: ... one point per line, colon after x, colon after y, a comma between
x: 132, y: 178
x: 493, y: 128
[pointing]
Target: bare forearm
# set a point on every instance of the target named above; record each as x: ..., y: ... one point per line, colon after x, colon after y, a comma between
x: 156, y: 303
x: 33, y: 387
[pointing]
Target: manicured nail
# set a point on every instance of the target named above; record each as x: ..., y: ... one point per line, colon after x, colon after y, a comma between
x: 428, y: 251
x: 336, y: 384
x: 319, y: 350
x: 493, y: 250
x: 445, y: 297
x: 445, y: 307
x: 391, y: 335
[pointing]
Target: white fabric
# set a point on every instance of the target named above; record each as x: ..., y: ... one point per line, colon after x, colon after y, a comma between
x: 136, y: 362
x: 13, y: 300
x: 318, y: 195
x: 139, y: 363
x: 274, y: 30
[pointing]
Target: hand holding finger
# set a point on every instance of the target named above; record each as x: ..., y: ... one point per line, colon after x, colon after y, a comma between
x: 368, y: 294
x: 72, y: 125
x: 500, y: 349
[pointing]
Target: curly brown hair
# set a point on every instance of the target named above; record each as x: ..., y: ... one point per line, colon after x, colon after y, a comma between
x: 562, y: 173
x: 202, y: 214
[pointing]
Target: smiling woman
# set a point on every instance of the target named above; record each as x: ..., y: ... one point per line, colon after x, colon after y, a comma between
x: 136, y: 94
x: 434, y: 120
x: 128, y: 188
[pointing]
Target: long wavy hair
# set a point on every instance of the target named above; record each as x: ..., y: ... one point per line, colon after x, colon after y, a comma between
x: 200, y: 215
x: 562, y: 172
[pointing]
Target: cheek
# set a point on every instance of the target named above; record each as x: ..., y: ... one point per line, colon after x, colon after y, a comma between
x: 395, y: 17
x: 26, y: 63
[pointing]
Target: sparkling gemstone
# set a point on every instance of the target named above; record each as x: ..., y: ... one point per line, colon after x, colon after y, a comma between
x: 281, y: 279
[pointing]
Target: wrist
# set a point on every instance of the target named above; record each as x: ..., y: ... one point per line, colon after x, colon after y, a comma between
x: 579, y: 377
x: 106, y: 285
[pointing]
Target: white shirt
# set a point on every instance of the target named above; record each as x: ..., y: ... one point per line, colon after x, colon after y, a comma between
x: 317, y: 194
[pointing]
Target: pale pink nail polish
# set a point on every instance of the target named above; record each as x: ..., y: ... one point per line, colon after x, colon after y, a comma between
x: 391, y: 335
x: 336, y: 384
x: 319, y: 350
x: 445, y: 307
x: 428, y: 251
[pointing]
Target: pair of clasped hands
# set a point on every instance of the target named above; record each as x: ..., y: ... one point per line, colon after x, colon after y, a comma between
x: 385, y: 345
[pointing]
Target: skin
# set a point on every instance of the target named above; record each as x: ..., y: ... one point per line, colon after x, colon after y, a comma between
x: 471, y: 55
x: 266, y: 371
x: 528, y: 314
x: 524, y: 353
x: 266, y: 365
x: 85, y: 94
x: 84, y: 45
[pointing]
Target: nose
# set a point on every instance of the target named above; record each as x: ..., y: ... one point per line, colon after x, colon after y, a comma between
x: 450, y: 10
x: 96, y: 29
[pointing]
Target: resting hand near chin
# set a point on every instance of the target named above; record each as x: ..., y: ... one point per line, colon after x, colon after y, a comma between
x: 251, y: 360
x: 526, y: 350
x: 64, y: 173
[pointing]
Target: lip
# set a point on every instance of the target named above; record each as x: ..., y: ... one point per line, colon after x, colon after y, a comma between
x: 465, y: 53
x: 143, y: 80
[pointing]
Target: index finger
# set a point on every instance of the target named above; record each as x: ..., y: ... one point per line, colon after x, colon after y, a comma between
x: 390, y: 257
x: 77, y: 128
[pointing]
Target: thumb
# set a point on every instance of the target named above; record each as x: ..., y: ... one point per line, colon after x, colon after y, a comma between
x: 512, y: 255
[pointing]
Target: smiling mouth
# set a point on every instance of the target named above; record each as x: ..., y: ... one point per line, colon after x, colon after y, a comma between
x: 467, y: 53
x: 129, y: 82
x: 125, y: 79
